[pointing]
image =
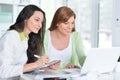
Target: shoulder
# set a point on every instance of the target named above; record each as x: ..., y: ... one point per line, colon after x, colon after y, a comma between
x: 46, y: 37
x: 76, y: 37
x: 47, y: 33
x: 10, y: 35
x: 13, y: 32
x: 75, y: 34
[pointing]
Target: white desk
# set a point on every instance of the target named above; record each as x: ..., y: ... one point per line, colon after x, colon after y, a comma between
x: 65, y: 73
x: 72, y: 74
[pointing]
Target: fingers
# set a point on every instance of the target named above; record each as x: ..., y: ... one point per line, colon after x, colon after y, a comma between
x: 42, y: 60
x: 72, y: 66
x: 55, y: 66
x: 77, y: 66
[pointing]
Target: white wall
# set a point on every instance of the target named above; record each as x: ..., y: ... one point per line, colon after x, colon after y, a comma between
x: 116, y: 27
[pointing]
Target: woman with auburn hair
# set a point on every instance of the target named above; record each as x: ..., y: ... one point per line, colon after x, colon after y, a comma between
x: 62, y: 42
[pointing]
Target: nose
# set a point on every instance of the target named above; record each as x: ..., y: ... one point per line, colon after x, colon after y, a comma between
x: 70, y: 26
x: 40, y: 24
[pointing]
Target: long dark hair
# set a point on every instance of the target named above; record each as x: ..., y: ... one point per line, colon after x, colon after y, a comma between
x: 35, y: 42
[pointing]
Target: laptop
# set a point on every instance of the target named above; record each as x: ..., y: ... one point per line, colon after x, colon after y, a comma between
x: 101, y: 59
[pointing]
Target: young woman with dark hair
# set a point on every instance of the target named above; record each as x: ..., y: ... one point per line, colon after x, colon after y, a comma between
x: 19, y: 44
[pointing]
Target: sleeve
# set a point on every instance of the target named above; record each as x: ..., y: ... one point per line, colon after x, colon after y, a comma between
x: 79, y: 48
x: 46, y: 39
x: 7, y: 67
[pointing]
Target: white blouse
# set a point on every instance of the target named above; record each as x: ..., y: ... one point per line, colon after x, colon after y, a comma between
x: 13, y: 54
x: 63, y: 55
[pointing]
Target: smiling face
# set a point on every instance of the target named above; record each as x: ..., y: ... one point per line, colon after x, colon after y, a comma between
x: 34, y: 23
x: 66, y: 27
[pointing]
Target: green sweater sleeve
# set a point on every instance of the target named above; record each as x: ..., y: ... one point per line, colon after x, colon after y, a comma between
x: 46, y: 39
x: 78, y: 54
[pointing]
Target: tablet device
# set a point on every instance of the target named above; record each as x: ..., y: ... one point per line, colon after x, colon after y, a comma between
x: 50, y: 64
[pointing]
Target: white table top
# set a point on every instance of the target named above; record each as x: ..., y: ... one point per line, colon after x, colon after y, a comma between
x: 69, y: 74
x: 39, y: 75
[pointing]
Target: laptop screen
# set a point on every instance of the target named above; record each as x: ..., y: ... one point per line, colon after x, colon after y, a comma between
x: 101, y: 60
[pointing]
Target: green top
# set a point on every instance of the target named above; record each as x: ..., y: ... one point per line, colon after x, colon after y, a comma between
x: 22, y: 36
x: 78, y: 55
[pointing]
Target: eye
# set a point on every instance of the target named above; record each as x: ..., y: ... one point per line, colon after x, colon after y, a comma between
x: 73, y: 22
x: 66, y: 23
x: 37, y: 20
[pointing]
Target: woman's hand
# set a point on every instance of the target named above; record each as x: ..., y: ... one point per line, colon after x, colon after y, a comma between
x: 55, y: 66
x: 42, y: 61
x: 72, y: 66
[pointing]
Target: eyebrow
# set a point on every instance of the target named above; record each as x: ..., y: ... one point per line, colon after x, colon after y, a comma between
x: 40, y: 19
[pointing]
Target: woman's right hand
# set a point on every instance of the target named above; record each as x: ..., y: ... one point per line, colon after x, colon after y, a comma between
x: 42, y: 61
x: 55, y: 66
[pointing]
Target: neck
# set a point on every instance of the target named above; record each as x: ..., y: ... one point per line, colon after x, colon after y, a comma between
x: 26, y: 32
x: 60, y: 35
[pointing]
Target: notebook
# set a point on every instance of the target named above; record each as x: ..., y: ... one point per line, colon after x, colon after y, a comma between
x: 101, y: 59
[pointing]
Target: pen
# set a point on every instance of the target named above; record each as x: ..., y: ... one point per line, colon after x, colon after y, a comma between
x: 36, y: 56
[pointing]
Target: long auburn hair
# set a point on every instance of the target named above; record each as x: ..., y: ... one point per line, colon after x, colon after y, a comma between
x: 62, y: 15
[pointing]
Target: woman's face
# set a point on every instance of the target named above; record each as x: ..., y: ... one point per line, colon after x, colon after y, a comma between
x: 34, y: 23
x: 66, y: 27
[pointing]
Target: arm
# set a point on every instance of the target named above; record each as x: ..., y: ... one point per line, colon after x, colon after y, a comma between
x: 43, y: 60
x: 8, y: 66
x: 13, y: 57
x: 78, y: 50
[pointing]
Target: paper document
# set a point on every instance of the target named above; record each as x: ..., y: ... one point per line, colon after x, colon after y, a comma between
x: 49, y: 64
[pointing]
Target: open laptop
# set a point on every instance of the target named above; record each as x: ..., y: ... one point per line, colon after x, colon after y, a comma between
x: 101, y: 59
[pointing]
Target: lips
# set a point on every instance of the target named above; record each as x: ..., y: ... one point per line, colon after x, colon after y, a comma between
x: 68, y: 31
x: 38, y: 28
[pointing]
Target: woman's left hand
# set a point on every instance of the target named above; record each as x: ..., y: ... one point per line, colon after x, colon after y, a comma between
x: 72, y: 66
x: 55, y: 66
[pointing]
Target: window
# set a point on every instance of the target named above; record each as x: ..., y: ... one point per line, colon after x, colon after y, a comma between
x: 105, y: 23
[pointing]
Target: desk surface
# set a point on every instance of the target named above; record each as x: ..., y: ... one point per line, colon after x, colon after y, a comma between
x: 69, y: 74
x: 40, y: 75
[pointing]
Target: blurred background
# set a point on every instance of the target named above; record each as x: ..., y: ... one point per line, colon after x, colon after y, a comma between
x: 97, y: 20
